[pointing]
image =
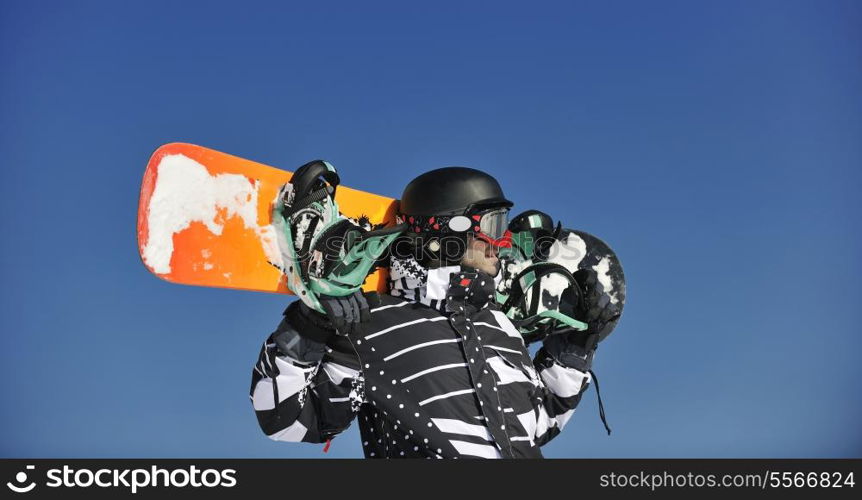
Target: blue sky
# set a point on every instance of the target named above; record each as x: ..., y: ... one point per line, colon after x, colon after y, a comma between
x: 715, y: 146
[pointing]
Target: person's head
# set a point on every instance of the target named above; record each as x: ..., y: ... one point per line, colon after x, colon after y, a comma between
x: 456, y: 215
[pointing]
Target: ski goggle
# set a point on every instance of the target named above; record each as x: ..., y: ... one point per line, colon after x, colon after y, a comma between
x: 489, y: 225
x: 493, y: 227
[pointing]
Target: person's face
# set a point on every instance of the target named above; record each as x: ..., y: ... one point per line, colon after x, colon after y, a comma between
x: 481, y: 255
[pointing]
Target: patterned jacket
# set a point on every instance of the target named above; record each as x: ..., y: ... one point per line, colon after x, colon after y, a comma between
x: 445, y: 377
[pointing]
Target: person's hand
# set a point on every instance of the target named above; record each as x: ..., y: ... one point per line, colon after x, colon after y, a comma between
x: 597, y: 309
x: 343, y: 316
x: 574, y: 350
x: 346, y: 313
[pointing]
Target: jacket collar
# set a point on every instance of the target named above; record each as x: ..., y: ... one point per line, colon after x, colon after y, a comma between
x: 435, y: 287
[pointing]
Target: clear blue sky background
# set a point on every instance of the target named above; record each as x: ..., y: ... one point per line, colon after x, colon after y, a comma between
x: 714, y: 145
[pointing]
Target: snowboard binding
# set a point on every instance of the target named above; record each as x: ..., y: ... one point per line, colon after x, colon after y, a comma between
x: 557, y: 280
x: 323, y: 252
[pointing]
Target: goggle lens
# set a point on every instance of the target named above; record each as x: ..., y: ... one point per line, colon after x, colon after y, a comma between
x: 494, y: 223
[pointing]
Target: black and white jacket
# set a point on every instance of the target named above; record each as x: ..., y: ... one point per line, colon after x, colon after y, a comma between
x: 433, y: 376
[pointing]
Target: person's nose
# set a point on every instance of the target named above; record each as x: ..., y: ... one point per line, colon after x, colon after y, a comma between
x: 492, y: 252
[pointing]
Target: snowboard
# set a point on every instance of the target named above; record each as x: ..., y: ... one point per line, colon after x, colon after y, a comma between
x: 205, y: 219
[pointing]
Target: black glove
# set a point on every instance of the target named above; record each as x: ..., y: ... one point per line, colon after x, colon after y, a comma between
x: 574, y: 350
x: 343, y: 316
x: 346, y: 313
x: 304, y: 333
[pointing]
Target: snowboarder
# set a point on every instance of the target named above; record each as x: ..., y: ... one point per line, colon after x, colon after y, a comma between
x: 434, y: 369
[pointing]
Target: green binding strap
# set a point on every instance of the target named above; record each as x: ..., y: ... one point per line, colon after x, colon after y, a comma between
x: 350, y: 272
x: 291, y: 263
x: 562, y: 318
x: 531, y: 321
x: 308, y: 200
x: 523, y: 243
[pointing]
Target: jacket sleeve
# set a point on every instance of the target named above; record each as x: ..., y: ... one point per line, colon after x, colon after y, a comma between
x: 561, y: 389
x: 303, y: 390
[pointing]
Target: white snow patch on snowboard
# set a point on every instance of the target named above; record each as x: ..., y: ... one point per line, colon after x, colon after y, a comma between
x: 269, y: 242
x: 185, y: 192
x: 603, y: 269
x: 512, y: 269
x: 568, y: 253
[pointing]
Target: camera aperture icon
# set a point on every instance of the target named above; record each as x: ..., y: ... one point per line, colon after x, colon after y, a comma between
x: 21, y: 478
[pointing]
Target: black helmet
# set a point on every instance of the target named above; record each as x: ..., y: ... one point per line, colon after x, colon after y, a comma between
x: 442, y: 207
x: 451, y: 191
